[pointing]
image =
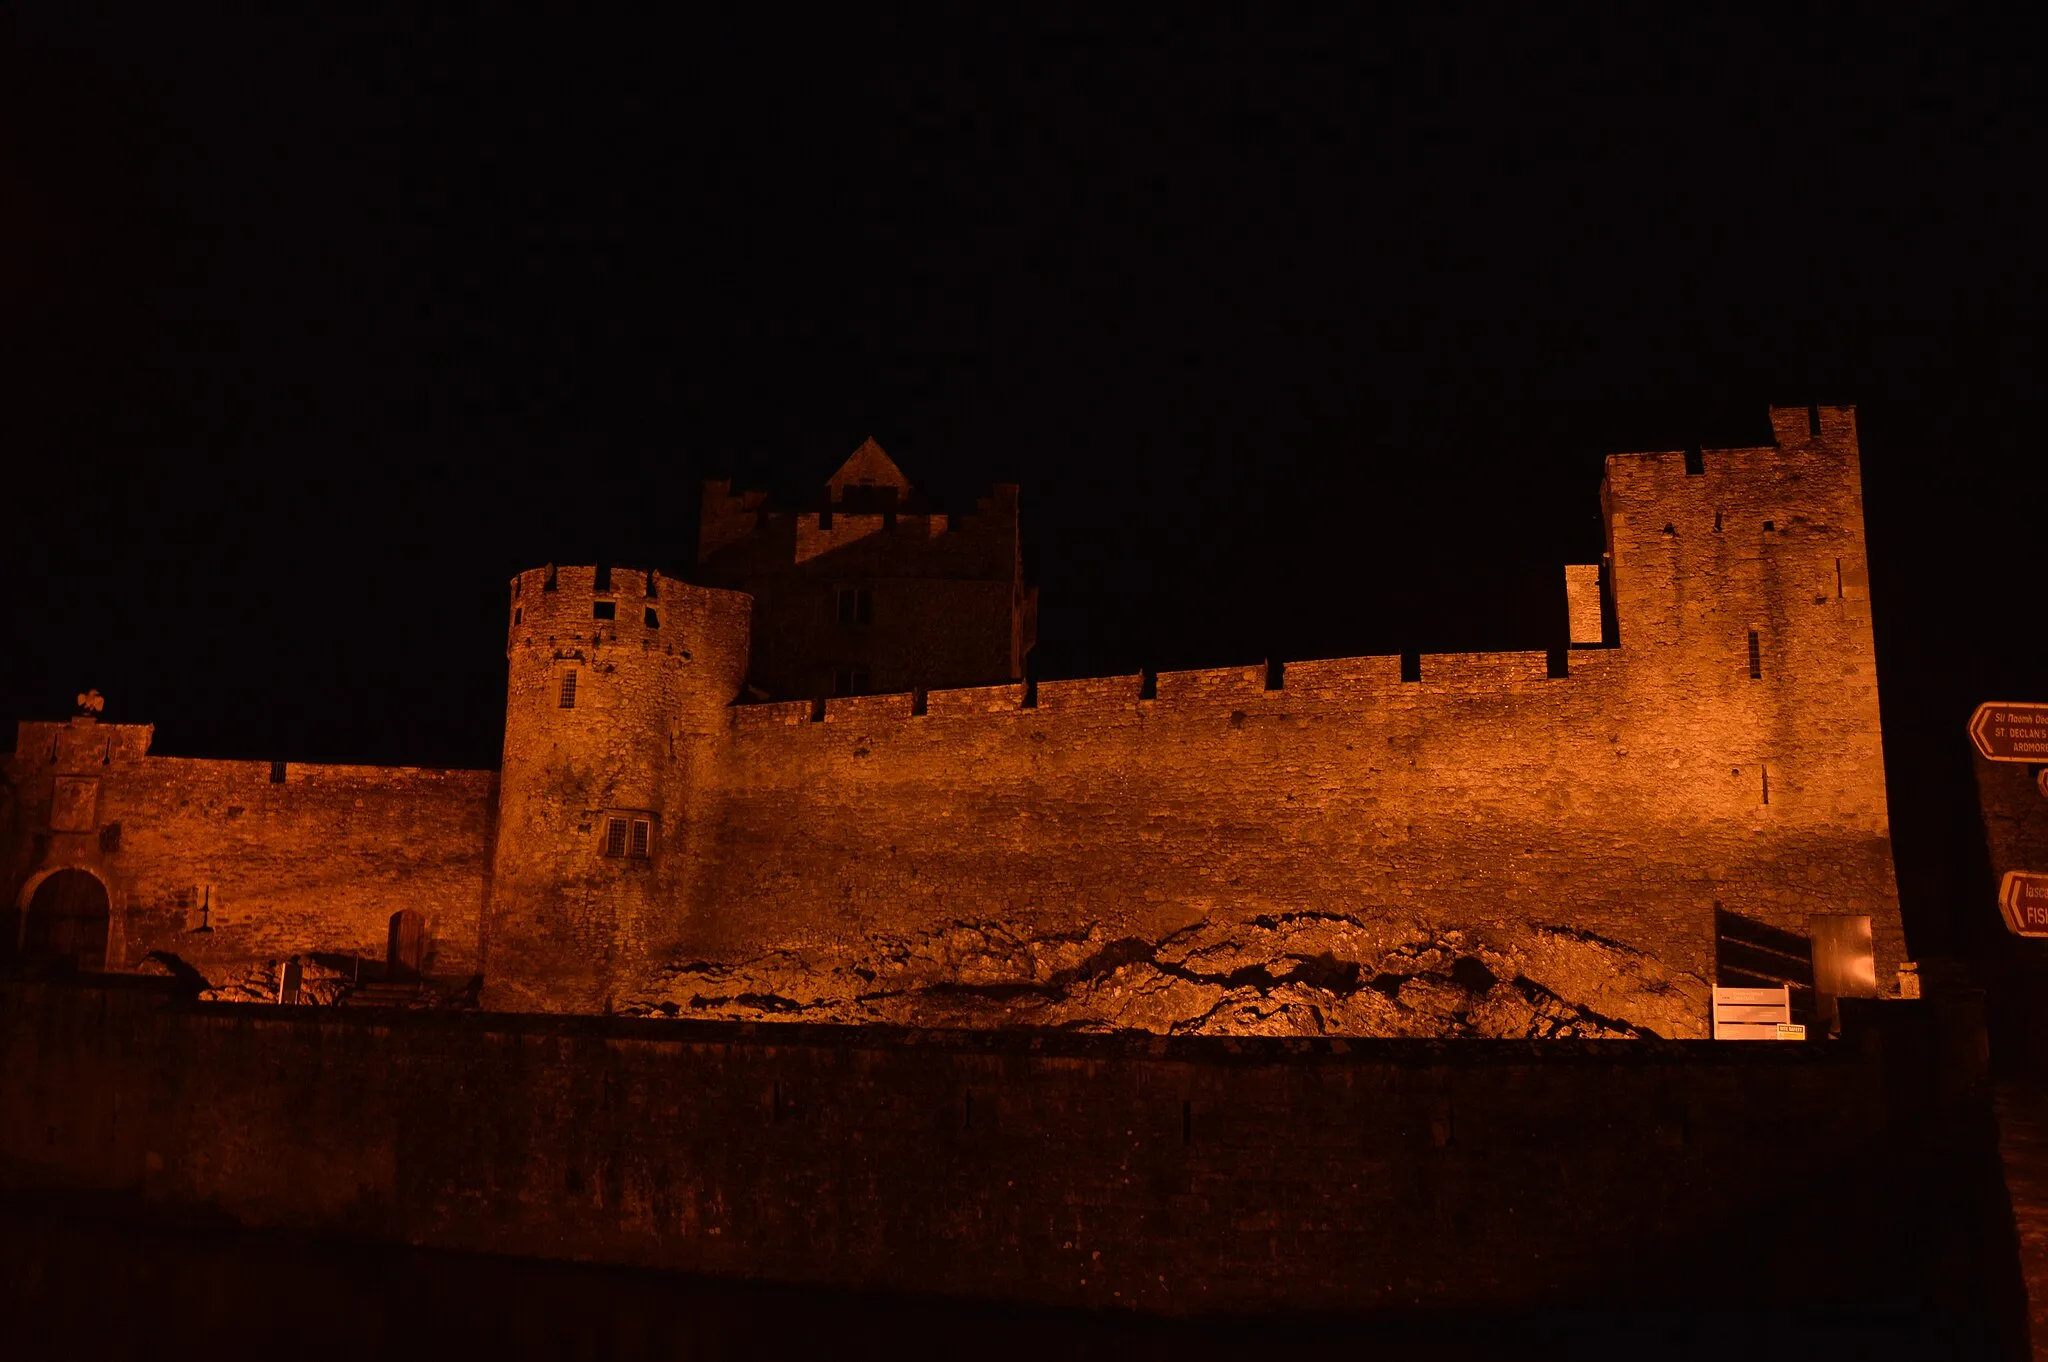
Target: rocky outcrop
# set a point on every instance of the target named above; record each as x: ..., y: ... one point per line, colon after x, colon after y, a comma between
x: 1306, y: 973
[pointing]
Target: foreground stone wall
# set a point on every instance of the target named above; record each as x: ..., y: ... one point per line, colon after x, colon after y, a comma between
x: 1180, y: 1176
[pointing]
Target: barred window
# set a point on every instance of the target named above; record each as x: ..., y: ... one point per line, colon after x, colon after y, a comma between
x: 615, y: 837
x: 569, y: 689
x: 638, y: 847
x: 1756, y: 657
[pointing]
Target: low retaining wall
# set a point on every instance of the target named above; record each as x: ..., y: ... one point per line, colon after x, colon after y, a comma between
x: 1178, y: 1176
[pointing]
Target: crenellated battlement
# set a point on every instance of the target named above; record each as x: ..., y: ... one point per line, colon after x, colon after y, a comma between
x: 868, y: 588
x: 1339, y: 682
x: 668, y: 807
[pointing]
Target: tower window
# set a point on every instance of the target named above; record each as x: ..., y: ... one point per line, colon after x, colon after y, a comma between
x: 604, y: 576
x: 651, y: 592
x: 569, y: 690
x: 1695, y: 463
x: 651, y: 618
x: 518, y: 613
x: 1756, y: 657
x: 548, y: 582
x: 604, y: 610
x: 628, y: 838
x: 849, y: 681
x: 856, y: 605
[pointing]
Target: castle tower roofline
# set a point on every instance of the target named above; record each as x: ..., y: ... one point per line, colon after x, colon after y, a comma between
x: 868, y: 466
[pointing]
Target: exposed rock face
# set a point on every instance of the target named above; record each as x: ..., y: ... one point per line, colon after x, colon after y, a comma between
x: 321, y: 985
x: 1294, y: 974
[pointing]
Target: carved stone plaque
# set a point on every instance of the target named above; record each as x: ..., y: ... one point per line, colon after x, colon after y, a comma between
x: 75, y: 805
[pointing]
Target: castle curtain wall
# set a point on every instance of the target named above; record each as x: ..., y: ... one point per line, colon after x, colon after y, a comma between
x: 1567, y: 830
x: 1726, y: 754
x: 222, y: 866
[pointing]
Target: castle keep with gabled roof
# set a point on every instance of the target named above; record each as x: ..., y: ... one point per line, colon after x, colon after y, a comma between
x: 870, y: 590
x: 814, y: 786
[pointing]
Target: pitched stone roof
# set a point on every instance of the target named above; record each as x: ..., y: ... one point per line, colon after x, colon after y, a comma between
x: 868, y: 466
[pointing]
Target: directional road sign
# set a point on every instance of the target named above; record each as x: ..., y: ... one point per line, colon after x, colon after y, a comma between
x: 2023, y: 897
x: 2011, y: 731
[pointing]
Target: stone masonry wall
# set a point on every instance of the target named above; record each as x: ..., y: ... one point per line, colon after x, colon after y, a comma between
x: 224, y: 866
x: 1488, y: 849
x: 1122, y: 1173
x: 946, y: 593
x: 1506, y: 844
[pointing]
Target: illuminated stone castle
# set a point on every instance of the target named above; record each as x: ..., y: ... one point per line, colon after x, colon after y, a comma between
x: 811, y: 785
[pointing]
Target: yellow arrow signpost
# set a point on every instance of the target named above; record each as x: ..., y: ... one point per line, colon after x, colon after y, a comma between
x: 2007, y: 730
x: 2023, y: 897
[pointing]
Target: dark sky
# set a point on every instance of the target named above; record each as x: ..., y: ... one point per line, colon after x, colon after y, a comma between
x: 1301, y: 340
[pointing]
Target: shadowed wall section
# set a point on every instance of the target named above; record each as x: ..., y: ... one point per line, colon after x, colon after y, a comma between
x: 1126, y: 1173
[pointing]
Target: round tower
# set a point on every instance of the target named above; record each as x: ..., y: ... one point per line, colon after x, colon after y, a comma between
x: 617, y: 683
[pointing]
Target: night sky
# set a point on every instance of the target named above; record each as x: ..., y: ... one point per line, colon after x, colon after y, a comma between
x: 1302, y: 341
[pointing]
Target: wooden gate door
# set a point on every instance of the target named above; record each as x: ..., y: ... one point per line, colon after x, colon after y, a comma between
x: 408, y: 946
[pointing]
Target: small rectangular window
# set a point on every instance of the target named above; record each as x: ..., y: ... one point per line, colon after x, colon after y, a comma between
x: 1695, y: 463
x: 652, y: 592
x: 1756, y: 657
x: 277, y: 773
x: 604, y: 576
x: 1411, y: 666
x: 614, y: 836
x: 652, y: 618
x: 548, y: 583
x: 637, y: 848
x: 856, y: 605
x: 569, y: 690
x: 604, y: 610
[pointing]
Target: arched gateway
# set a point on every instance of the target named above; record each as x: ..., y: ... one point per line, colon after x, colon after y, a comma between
x: 67, y: 918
